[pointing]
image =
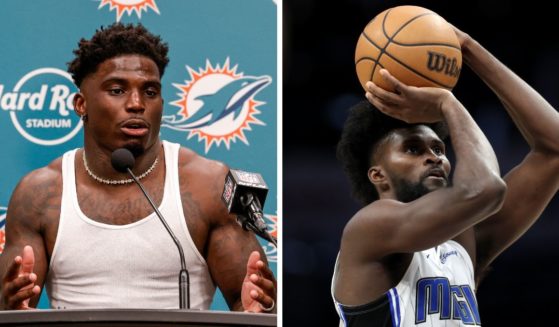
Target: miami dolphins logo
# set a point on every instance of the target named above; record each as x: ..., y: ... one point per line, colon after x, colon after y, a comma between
x: 270, y: 250
x: 217, y: 105
x: 128, y: 6
x: 2, y: 228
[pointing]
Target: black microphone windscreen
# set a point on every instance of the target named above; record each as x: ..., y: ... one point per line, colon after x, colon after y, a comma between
x: 239, y: 183
x: 122, y: 159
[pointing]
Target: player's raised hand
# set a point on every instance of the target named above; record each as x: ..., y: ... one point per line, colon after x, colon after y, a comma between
x: 408, y: 103
x: 259, y: 286
x: 18, y: 284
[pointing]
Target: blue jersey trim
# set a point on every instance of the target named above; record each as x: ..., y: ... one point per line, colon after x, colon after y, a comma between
x: 394, y: 307
x: 342, y: 314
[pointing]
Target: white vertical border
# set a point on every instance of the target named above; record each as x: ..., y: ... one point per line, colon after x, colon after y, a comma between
x: 279, y: 182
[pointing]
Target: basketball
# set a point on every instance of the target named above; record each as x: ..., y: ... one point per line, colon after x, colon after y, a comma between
x: 414, y: 44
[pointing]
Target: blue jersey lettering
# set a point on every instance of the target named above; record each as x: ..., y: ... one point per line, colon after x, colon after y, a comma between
x: 435, y: 295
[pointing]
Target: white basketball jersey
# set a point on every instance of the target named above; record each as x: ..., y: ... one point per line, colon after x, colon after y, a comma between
x: 438, y: 289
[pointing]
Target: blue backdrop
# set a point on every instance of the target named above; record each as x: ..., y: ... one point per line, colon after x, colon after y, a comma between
x: 213, y: 44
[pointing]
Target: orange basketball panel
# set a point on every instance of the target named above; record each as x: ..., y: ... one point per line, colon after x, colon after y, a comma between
x: 427, y: 29
x: 402, y: 73
x: 373, y: 30
x: 364, y: 70
x: 366, y: 55
x: 365, y: 49
x: 399, y: 16
x: 440, y: 64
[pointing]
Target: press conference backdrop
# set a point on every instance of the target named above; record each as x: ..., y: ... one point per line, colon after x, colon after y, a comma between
x: 213, y: 44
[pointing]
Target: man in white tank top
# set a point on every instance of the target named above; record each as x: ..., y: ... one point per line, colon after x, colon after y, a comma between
x: 413, y: 255
x: 87, y: 230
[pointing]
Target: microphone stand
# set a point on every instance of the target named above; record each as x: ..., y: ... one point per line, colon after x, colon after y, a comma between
x: 255, y: 220
x: 184, y: 277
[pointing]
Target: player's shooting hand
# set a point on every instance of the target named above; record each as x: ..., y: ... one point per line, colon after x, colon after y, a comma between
x: 408, y: 103
x: 259, y: 286
x: 18, y: 284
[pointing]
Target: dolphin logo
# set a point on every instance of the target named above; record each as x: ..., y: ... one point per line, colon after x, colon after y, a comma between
x: 229, y: 99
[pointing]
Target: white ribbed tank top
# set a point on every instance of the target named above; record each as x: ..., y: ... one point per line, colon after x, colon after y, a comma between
x: 96, y: 265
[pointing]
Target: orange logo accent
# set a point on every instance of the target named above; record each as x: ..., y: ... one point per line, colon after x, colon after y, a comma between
x: 2, y: 240
x: 272, y: 224
x: 2, y: 228
x: 128, y: 6
x: 270, y: 249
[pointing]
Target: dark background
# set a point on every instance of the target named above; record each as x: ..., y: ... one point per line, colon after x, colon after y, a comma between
x: 320, y: 84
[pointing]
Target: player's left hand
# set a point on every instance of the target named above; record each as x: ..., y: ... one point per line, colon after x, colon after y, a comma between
x: 259, y: 286
x: 408, y: 103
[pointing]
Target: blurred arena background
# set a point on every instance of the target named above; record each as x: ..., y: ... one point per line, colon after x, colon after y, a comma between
x: 320, y: 85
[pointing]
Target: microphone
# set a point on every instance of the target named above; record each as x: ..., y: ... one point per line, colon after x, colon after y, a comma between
x: 123, y: 161
x: 244, y: 194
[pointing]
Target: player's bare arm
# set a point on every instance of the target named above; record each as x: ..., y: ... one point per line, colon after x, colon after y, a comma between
x: 538, y: 122
x: 215, y: 233
x: 31, y: 227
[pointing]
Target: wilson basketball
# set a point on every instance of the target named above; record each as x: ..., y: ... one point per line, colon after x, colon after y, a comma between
x: 414, y: 44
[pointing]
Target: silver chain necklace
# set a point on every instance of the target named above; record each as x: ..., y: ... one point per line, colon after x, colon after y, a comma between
x: 116, y: 181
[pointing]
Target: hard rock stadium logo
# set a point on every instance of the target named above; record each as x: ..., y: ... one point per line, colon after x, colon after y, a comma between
x: 217, y: 105
x: 270, y: 250
x: 2, y: 228
x: 40, y: 106
x: 129, y: 6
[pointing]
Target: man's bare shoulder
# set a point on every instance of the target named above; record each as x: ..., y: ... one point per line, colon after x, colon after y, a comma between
x: 373, y: 214
x: 201, y: 183
x: 50, y: 174
x: 368, y: 235
x: 199, y: 167
x: 37, y: 195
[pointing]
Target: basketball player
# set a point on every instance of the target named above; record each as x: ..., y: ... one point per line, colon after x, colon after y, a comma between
x: 414, y: 254
x: 87, y: 231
